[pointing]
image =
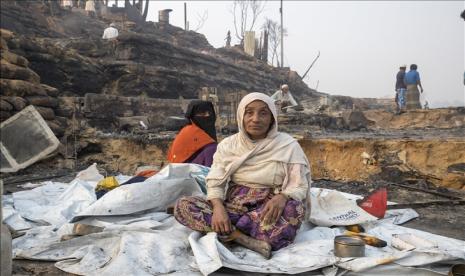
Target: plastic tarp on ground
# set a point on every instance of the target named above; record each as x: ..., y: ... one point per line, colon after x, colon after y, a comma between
x: 139, y: 238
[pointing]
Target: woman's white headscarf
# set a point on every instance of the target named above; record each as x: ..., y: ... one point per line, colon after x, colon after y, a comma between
x: 239, y: 150
x: 241, y: 110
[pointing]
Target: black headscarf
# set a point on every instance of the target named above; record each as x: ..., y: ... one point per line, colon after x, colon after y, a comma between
x: 205, y: 123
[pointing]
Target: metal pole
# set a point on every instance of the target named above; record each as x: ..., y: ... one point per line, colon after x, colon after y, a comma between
x: 282, y: 35
x: 311, y: 65
x: 185, y: 16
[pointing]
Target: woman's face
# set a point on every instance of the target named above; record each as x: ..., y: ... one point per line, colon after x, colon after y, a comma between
x: 257, y: 119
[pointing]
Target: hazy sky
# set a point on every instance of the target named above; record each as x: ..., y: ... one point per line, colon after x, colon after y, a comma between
x: 362, y: 43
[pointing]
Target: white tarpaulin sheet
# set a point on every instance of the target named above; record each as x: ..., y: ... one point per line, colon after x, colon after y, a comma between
x: 140, y: 239
x: 155, y: 193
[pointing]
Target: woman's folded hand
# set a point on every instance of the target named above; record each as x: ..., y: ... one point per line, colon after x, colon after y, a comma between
x: 273, y: 209
x: 220, y: 219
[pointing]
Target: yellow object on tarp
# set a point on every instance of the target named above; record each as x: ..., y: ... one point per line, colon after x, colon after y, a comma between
x: 108, y: 183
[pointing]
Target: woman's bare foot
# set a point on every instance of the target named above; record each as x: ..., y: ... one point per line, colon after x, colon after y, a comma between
x: 261, y: 247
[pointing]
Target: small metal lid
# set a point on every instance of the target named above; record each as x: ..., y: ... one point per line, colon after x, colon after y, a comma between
x: 349, y: 240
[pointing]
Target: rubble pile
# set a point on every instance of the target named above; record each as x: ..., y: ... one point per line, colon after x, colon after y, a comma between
x: 21, y: 86
x: 149, y: 60
x: 120, y: 104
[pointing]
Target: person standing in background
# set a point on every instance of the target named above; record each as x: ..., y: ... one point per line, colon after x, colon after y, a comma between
x: 412, y: 81
x: 67, y: 4
x: 110, y: 33
x: 90, y: 8
x: 400, y: 89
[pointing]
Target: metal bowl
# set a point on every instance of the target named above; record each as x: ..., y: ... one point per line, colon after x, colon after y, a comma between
x: 348, y: 246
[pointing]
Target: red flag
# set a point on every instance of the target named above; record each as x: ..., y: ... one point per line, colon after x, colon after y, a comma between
x: 375, y: 203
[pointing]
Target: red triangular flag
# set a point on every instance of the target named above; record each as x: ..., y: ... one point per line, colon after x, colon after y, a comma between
x: 375, y: 203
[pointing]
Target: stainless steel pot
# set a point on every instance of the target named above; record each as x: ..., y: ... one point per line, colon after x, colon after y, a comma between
x: 347, y: 246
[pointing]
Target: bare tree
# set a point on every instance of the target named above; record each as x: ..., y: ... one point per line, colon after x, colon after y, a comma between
x: 146, y: 10
x: 245, y: 15
x: 274, y: 38
x: 138, y: 5
x: 201, y: 19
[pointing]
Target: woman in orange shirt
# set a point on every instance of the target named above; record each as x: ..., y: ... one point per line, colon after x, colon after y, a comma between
x: 196, y: 142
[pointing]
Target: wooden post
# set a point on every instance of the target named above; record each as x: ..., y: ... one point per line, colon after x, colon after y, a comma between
x: 265, y: 47
x: 185, y: 16
x: 282, y: 35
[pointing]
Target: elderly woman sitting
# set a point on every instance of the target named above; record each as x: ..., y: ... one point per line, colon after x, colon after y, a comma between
x: 257, y: 184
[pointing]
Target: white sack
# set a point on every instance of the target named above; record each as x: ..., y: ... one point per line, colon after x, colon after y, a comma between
x: 333, y: 208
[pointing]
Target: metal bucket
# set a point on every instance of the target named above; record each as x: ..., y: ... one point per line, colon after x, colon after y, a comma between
x: 347, y: 246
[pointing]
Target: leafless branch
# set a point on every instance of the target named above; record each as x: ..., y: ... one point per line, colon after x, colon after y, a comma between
x: 274, y: 37
x: 201, y: 19
x: 245, y: 14
x: 233, y: 11
x: 244, y: 9
x: 257, y: 8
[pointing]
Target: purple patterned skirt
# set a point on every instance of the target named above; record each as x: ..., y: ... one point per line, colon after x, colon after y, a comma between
x: 244, y: 206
